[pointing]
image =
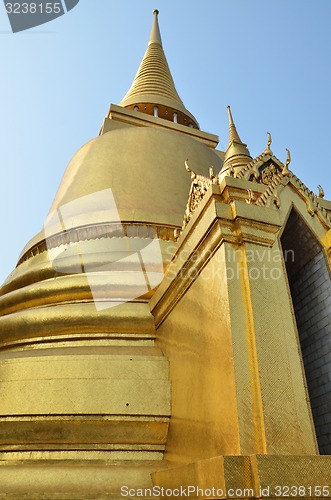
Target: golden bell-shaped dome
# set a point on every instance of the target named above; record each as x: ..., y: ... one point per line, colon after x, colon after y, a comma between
x: 83, y: 374
x: 144, y: 167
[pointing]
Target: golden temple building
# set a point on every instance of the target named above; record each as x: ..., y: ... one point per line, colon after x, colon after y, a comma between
x: 169, y: 329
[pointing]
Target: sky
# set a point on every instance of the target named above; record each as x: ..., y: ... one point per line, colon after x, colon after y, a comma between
x: 270, y: 60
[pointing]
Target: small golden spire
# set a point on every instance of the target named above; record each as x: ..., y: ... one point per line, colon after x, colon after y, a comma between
x: 236, y: 153
x: 233, y: 134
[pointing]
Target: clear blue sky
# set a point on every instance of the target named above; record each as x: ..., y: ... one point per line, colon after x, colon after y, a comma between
x: 270, y: 60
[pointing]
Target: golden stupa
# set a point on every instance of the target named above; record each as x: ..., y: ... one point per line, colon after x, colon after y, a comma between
x: 169, y: 327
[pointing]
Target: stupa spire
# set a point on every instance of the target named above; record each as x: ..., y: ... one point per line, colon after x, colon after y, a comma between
x: 233, y: 134
x: 237, y: 153
x: 153, y: 90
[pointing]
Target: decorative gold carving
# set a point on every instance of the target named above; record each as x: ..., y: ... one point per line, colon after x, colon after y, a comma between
x: 268, y: 174
x: 251, y: 197
x: 276, y: 199
x: 312, y: 203
x: 270, y: 195
x: 108, y: 230
x: 254, y: 171
x: 265, y: 170
x: 193, y: 175
x: 212, y: 176
x: 199, y: 187
x: 231, y: 171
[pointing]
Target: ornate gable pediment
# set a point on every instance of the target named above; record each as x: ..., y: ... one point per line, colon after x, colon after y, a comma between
x: 266, y: 167
x: 199, y: 187
x: 262, y: 169
x: 270, y: 174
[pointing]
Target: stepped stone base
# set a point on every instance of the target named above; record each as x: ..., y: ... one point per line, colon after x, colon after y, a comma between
x: 230, y: 477
x: 77, y: 480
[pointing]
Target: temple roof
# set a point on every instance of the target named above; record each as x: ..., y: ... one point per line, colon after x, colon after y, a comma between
x: 153, y: 85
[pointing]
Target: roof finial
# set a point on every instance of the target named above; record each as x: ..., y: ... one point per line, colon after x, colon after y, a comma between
x: 286, y: 171
x: 267, y: 150
x: 155, y: 33
x: 321, y: 193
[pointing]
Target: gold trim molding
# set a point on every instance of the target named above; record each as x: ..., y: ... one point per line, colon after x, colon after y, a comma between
x: 98, y: 231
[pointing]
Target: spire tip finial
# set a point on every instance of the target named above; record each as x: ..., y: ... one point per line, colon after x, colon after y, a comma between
x: 155, y: 33
x: 231, y: 123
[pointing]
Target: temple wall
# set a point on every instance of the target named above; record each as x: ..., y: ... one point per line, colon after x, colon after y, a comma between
x: 286, y: 413
x: 196, y: 339
x: 311, y: 293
